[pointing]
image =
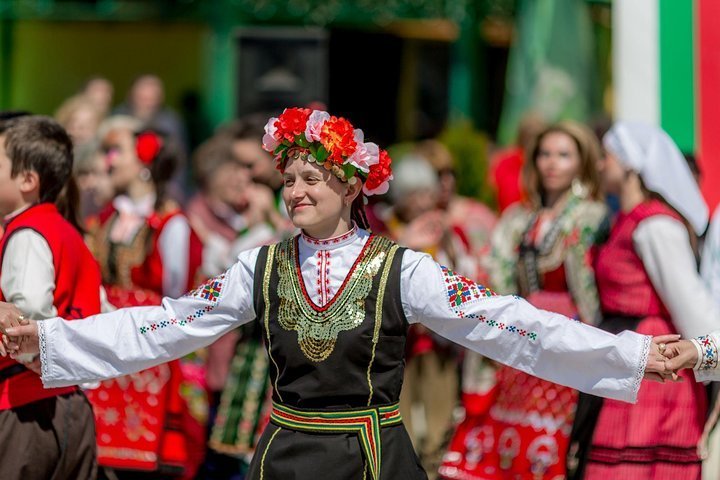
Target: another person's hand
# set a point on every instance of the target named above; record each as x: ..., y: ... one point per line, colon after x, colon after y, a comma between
x: 656, y: 368
x: 22, y: 339
x: 10, y: 316
x: 682, y: 354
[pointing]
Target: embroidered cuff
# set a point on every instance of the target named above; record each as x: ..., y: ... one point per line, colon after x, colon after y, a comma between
x: 640, y: 369
x: 42, y: 342
x: 708, y: 354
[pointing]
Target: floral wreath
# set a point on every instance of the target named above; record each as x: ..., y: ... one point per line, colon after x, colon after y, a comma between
x: 333, y: 143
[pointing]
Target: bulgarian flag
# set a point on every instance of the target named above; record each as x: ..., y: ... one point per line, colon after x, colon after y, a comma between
x: 666, y: 56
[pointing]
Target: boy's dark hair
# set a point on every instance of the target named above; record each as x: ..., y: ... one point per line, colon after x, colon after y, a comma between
x: 38, y: 143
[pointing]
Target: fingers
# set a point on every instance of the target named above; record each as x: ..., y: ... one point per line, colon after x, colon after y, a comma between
x: 22, y: 330
x: 655, y: 377
x: 4, y: 341
x: 665, y: 339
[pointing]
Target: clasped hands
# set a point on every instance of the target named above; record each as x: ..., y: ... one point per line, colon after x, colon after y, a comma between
x: 668, y: 355
x: 19, y: 336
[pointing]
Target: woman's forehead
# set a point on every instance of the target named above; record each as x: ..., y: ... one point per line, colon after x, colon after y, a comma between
x: 300, y: 166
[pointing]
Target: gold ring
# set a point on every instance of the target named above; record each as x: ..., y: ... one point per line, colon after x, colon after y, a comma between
x: 661, y: 348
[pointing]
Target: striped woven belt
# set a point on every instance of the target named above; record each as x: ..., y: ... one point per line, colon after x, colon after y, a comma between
x: 366, y: 423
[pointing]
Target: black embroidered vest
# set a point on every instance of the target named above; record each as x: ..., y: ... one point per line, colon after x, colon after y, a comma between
x: 349, y: 353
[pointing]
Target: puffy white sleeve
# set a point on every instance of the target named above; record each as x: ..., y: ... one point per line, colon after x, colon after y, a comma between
x: 132, y: 339
x: 663, y: 245
x: 510, y: 330
x: 710, y: 259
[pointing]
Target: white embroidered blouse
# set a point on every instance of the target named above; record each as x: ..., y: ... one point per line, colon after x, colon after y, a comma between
x: 504, y: 328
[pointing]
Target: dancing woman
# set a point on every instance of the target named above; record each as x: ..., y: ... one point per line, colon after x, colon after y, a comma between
x: 336, y: 353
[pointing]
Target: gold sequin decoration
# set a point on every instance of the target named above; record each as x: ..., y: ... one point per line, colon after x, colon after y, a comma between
x: 378, y: 316
x: 318, y: 329
x: 266, y: 320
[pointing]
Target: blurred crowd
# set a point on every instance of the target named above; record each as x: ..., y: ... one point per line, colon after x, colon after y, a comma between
x: 582, y: 224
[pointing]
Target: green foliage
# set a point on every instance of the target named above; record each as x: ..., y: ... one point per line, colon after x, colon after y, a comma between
x: 469, y: 148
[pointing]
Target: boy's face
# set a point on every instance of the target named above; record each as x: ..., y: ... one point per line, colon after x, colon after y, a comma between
x: 11, y: 197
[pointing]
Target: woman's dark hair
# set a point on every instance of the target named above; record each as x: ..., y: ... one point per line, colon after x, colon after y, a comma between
x: 357, y: 212
x: 38, y: 143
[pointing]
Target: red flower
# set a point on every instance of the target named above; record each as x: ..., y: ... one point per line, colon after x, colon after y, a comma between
x: 338, y: 138
x: 147, y: 146
x: 379, y: 172
x: 291, y: 123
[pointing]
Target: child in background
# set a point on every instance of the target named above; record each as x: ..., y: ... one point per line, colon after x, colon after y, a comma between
x: 46, y: 271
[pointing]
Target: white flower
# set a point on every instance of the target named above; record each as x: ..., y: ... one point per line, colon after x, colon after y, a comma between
x: 366, y: 154
x: 270, y: 141
x: 315, y: 124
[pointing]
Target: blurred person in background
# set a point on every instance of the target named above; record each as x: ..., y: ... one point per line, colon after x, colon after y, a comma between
x: 466, y: 216
x: 93, y: 180
x: 244, y: 135
x: 99, y: 90
x: 80, y: 118
x: 541, y: 251
x: 146, y: 102
x: 506, y: 165
x: 432, y: 363
x: 146, y: 249
x: 648, y: 282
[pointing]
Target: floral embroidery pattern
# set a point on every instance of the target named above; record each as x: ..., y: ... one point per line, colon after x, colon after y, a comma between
x: 330, y: 241
x: 461, y: 290
x: 710, y: 352
x: 155, y: 326
x: 210, y: 290
x: 500, y: 326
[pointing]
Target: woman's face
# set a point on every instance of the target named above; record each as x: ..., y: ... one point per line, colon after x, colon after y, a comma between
x: 313, y: 196
x: 124, y: 167
x: 612, y: 173
x: 558, y: 162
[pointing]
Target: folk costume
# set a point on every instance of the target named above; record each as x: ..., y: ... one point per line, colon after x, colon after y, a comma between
x: 638, y: 271
x: 144, y: 253
x: 546, y: 259
x: 46, y: 271
x: 336, y: 369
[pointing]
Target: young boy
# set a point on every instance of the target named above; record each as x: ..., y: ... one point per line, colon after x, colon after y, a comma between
x: 46, y: 271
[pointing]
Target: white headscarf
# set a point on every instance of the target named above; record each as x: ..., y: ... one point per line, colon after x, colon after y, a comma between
x: 650, y: 152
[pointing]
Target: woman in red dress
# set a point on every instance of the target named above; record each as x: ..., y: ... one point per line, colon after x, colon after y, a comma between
x: 146, y: 249
x: 540, y: 250
x: 648, y: 282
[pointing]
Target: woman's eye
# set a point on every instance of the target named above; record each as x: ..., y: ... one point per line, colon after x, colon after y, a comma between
x: 288, y: 183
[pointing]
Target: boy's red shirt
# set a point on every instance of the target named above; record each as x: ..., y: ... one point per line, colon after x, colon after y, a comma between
x: 77, y: 291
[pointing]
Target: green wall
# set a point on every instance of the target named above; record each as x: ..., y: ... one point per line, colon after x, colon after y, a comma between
x: 50, y: 60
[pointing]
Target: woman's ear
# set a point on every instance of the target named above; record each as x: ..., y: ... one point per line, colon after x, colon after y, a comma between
x: 352, y: 191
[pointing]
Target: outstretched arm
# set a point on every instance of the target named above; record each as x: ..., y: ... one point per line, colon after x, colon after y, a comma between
x: 510, y: 330
x: 132, y: 339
